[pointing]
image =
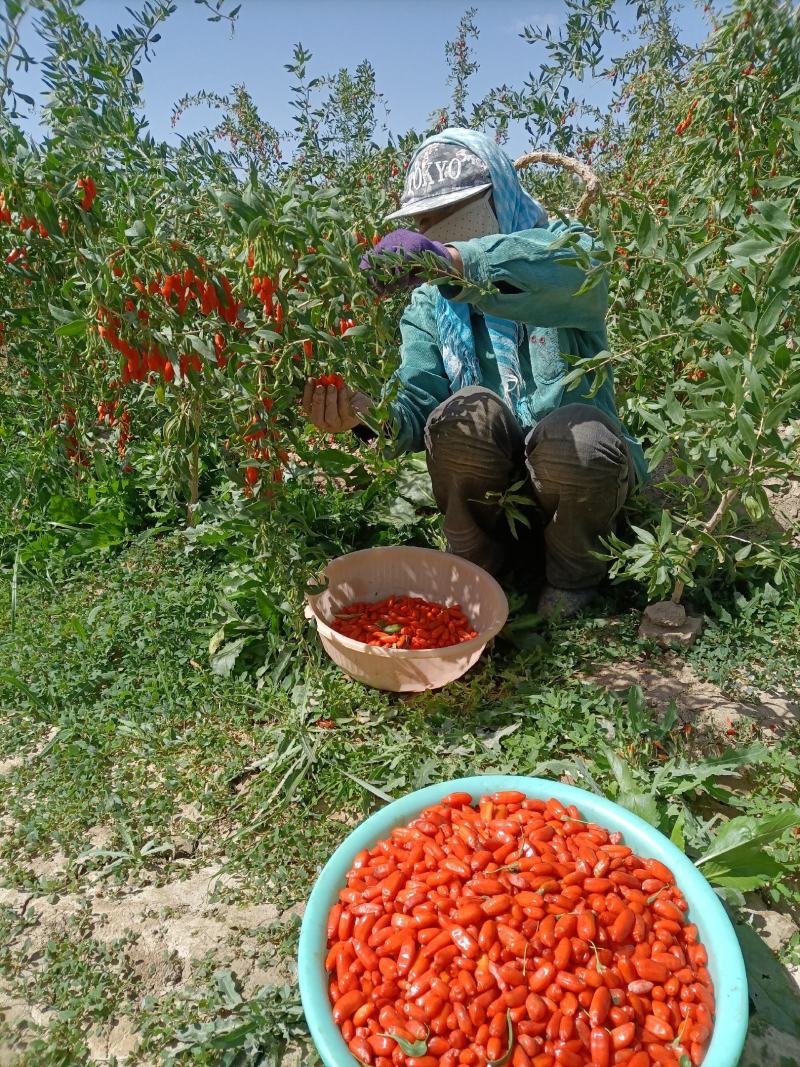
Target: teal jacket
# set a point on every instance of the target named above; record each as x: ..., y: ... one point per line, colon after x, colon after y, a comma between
x: 545, y: 283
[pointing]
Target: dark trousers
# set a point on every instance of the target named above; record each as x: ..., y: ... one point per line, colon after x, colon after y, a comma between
x: 575, y: 462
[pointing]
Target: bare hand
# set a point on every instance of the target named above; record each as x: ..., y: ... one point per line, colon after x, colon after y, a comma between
x: 333, y: 410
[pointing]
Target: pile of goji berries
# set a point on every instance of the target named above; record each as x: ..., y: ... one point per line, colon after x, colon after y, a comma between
x: 408, y: 622
x: 514, y: 932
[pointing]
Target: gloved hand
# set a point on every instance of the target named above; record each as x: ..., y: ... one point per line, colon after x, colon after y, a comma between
x: 406, y: 243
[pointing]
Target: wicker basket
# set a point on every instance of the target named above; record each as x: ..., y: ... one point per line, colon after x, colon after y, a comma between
x: 586, y: 174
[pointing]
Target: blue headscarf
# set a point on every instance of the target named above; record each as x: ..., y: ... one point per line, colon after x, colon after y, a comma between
x: 515, y: 210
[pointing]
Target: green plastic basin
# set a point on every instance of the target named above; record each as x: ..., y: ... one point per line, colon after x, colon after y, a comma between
x: 725, y: 961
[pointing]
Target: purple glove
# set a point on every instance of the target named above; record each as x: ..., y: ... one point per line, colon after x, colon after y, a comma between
x: 406, y: 243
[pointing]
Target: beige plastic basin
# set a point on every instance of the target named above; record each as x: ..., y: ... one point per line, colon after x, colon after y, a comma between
x: 375, y: 573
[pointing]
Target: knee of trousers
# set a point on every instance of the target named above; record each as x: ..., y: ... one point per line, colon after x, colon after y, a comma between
x: 473, y: 427
x: 472, y: 409
x: 577, y: 436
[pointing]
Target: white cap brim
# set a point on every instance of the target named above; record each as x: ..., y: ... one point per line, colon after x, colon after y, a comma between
x: 434, y: 203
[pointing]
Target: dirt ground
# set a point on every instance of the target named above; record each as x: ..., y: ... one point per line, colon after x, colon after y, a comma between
x: 179, y: 925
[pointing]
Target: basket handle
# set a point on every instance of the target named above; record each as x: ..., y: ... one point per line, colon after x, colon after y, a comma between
x: 585, y: 173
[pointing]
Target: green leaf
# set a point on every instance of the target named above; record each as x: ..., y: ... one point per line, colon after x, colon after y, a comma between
x: 76, y: 328
x: 676, y: 837
x: 771, y: 314
x: 781, y: 407
x: 747, y: 431
x: 673, y: 408
x: 503, y: 1060
x: 756, y: 870
x: 230, y: 202
x: 136, y: 229
x: 621, y: 770
x: 225, y: 660
x: 753, y: 505
x: 729, y: 203
x: 374, y: 789
x: 332, y: 461
x: 703, y: 252
x: 646, y: 235
x: 780, y: 182
x: 728, y: 334
x: 398, y: 514
x: 772, y: 992
x: 414, y: 484
x: 46, y: 211
x: 736, y: 857
x: 61, y: 314
x: 201, y: 346
x: 65, y: 510
x: 774, y: 215
x: 227, y: 987
x: 750, y: 248
x: 745, y: 831
x: 642, y: 804
x: 785, y: 265
x: 410, y: 1048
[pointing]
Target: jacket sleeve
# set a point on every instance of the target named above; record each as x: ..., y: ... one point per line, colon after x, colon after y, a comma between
x: 537, y: 279
x: 421, y: 380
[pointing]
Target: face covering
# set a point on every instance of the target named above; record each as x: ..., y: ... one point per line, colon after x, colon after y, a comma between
x: 475, y: 219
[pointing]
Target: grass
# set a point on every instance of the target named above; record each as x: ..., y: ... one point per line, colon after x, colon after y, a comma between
x: 118, y: 731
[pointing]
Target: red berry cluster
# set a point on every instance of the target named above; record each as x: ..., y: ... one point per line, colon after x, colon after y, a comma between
x: 107, y: 412
x: 66, y: 423
x: 179, y: 290
x: 186, y: 287
x: 266, y: 290
x: 89, y: 190
x: 260, y: 431
x: 20, y: 257
x: 124, y: 433
x: 139, y: 364
x: 330, y: 379
x: 686, y: 123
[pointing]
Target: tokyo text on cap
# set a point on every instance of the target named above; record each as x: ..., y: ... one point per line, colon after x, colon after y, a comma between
x: 441, y: 174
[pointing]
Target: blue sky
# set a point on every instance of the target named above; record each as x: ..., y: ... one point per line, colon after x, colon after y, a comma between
x: 404, y: 40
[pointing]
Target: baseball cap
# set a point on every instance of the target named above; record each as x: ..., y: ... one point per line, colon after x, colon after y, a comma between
x: 441, y: 174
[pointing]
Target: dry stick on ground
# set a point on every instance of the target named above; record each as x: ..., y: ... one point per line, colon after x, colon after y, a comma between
x: 586, y: 174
